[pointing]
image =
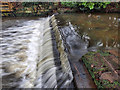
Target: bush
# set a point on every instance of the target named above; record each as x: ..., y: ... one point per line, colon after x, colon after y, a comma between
x: 86, y: 5
x: 69, y: 4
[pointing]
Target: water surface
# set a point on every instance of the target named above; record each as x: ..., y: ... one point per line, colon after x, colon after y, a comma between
x: 22, y: 37
x: 101, y: 29
x: 20, y: 42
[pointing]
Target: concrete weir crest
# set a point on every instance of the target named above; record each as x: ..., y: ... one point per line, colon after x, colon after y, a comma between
x: 53, y: 68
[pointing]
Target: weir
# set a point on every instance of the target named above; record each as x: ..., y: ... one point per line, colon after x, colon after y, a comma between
x: 44, y: 60
x: 54, y: 70
x: 44, y: 65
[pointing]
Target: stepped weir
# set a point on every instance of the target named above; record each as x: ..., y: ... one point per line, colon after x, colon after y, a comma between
x: 54, y: 70
x: 36, y: 56
x: 47, y: 64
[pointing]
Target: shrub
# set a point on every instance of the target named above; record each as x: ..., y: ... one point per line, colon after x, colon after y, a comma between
x: 86, y: 5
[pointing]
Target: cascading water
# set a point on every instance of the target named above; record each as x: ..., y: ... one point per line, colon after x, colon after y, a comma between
x: 77, y: 45
x: 53, y: 67
x: 20, y: 53
x: 31, y: 57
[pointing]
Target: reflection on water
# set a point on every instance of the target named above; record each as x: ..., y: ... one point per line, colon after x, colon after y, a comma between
x: 101, y: 29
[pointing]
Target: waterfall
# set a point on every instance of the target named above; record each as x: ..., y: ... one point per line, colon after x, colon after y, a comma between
x: 53, y: 66
x: 33, y: 56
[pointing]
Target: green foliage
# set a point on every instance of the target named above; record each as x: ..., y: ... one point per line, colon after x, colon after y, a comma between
x: 107, y: 84
x: 88, y: 65
x: 36, y: 7
x: 104, y: 53
x: 69, y: 4
x: 29, y: 4
x: 86, y: 5
x: 89, y: 5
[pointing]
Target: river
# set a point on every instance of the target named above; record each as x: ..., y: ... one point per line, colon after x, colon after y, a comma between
x: 22, y: 37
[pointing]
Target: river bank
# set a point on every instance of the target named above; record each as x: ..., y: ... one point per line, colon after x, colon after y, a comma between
x: 46, y: 9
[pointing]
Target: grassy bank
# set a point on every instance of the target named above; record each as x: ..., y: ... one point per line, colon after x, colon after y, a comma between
x: 104, y: 68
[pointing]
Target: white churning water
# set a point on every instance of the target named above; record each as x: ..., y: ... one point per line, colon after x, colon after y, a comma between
x: 28, y: 57
x: 20, y: 53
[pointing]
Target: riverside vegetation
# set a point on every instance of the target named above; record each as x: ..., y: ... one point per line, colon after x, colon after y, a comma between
x: 49, y: 8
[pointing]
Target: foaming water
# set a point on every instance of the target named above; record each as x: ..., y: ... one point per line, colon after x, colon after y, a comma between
x: 20, y: 53
x: 53, y: 67
x: 77, y: 46
x: 33, y: 56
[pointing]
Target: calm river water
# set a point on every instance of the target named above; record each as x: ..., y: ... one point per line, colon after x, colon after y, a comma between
x: 101, y: 29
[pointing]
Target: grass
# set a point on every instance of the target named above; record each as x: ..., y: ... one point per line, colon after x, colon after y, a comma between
x: 95, y: 66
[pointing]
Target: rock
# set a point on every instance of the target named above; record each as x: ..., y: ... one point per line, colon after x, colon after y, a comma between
x: 118, y: 71
x: 114, y: 52
x: 108, y: 76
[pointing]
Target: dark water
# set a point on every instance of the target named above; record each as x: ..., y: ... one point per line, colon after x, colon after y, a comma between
x: 100, y: 29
